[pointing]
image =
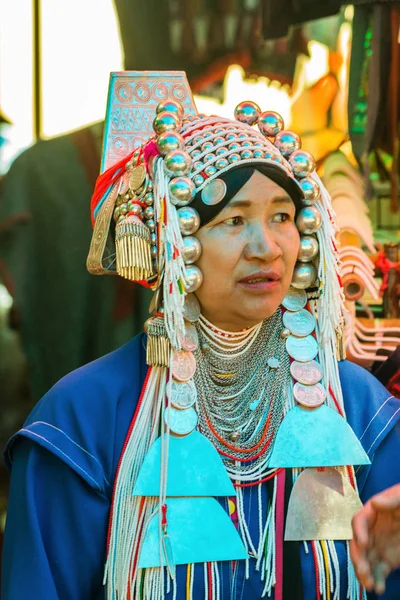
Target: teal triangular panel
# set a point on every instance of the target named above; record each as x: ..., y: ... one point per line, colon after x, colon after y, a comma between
x: 194, y: 469
x: 199, y: 530
x: 316, y: 438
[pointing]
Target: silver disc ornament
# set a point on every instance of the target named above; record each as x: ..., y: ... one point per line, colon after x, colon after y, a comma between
x: 183, y: 394
x: 300, y: 323
x: 214, y: 192
x: 309, y: 396
x: 308, y: 373
x: 302, y: 349
x: 190, y: 341
x: 181, y: 422
x: 191, y: 308
x: 295, y: 299
x: 183, y: 365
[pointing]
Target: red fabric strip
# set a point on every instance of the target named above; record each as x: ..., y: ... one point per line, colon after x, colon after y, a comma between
x: 280, y: 519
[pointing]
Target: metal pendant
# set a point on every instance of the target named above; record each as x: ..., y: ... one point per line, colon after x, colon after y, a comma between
x: 302, y: 349
x: 183, y: 365
x: 191, y: 308
x: 321, y: 506
x: 180, y: 422
x: 137, y: 177
x: 295, y: 299
x: 190, y: 340
x: 183, y: 395
x: 310, y: 396
x: 300, y: 323
x: 308, y: 373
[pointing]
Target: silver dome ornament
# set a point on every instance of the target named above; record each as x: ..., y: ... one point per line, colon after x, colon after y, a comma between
x: 210, y: 170
x: 148, y: 212
x: 198, y: 180
x: 191, y: 250
x: 270, y: 123
x: 170, y: 106
x: 148, y: 199
x: 166, y: 121
x: 154, y: 252
x: 310, y: 189
x: 234, y: 146
x: 221, y: 163
x: 304, y: 275
x: 257, y: 154
x: 247, y: 112
x: 209, y: 157
x: 287, y: 142
x: 177, y: 163
x: 189, y: 220
x: 221, y: 151
x: 308, y: 248
x: 194, y: 278
x: 232, y: 158
x: 207, y: 146
x: 302, y: 163
x: 169, y: 141
x: 246, y: 154
x: 308, y: 220
x: 151, y: 224
x: 182, y: 191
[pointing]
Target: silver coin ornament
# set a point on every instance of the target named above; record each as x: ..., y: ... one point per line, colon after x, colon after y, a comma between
x: 194, y: 278
x: 308, y: 248
x: 302, y: 163
x: 191, y: 308
x: 166, y: 121
x: 308, y: 220
x: 302, y: 349
x: 171, y: 106
x: 309, y: 396
x: 300, y: 323
x: 182, y: 191
x: 308, y: 373
x: 287, y: 142
x: 189, y: 220
x: 247, y: 112
x: 295, y: 299
x: 177, y: 162
x: 310, y: 190
x: 304, y: 275
x: 169, y: 141
x: 183, y: 365
x: 183, y: 394
x: 180, y: 422
x: 191, y: 250
x: 213, y: 192
x: 270, y: 123
x: 190, y: 340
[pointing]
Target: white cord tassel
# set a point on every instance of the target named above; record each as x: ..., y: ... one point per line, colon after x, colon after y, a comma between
x: 171, y: 246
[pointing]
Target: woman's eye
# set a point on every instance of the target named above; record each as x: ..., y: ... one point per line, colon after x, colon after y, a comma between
x: 281, y: 218
x: 234, y: 221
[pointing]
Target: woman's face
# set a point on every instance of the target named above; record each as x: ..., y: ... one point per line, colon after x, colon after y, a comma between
x: 249, y: 252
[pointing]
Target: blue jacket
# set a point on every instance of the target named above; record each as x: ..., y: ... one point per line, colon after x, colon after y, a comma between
x: 63, y: 463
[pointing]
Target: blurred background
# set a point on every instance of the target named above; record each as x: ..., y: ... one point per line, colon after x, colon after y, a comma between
x: 330, y: 68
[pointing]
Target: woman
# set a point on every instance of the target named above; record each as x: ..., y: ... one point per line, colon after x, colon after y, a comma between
x: 234, y: 437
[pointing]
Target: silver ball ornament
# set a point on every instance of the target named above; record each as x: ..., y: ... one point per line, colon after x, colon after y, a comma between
x: 151, y: 225
x: 170, y: 106
x: 178, y: 163
x: 207, y: 146
x: 148, y: 212
x: 189, y: 220
x: 154, y: 252
x: 308, y: 220
x: 270, y: 123
x: 169, y: 141
x: 191, y: 251
x: 247, y: 112
x: 232, y: 158
x: 211, y: 170
x: 194, y: 278
x: 302, y: 163
x: 304, y: 275
x: 166, y: 121
x: 198, y: 180
x: 182, y: 191
x: 221, y: 163
x: 310, y: 189
x: 287, y: 142
x: 308, y: 248
x: 246, y: 154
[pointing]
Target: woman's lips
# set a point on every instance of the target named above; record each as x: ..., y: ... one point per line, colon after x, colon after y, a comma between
x: 260, y: 282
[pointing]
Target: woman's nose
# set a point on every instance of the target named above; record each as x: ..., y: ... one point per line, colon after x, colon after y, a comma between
x: 262, y: 245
